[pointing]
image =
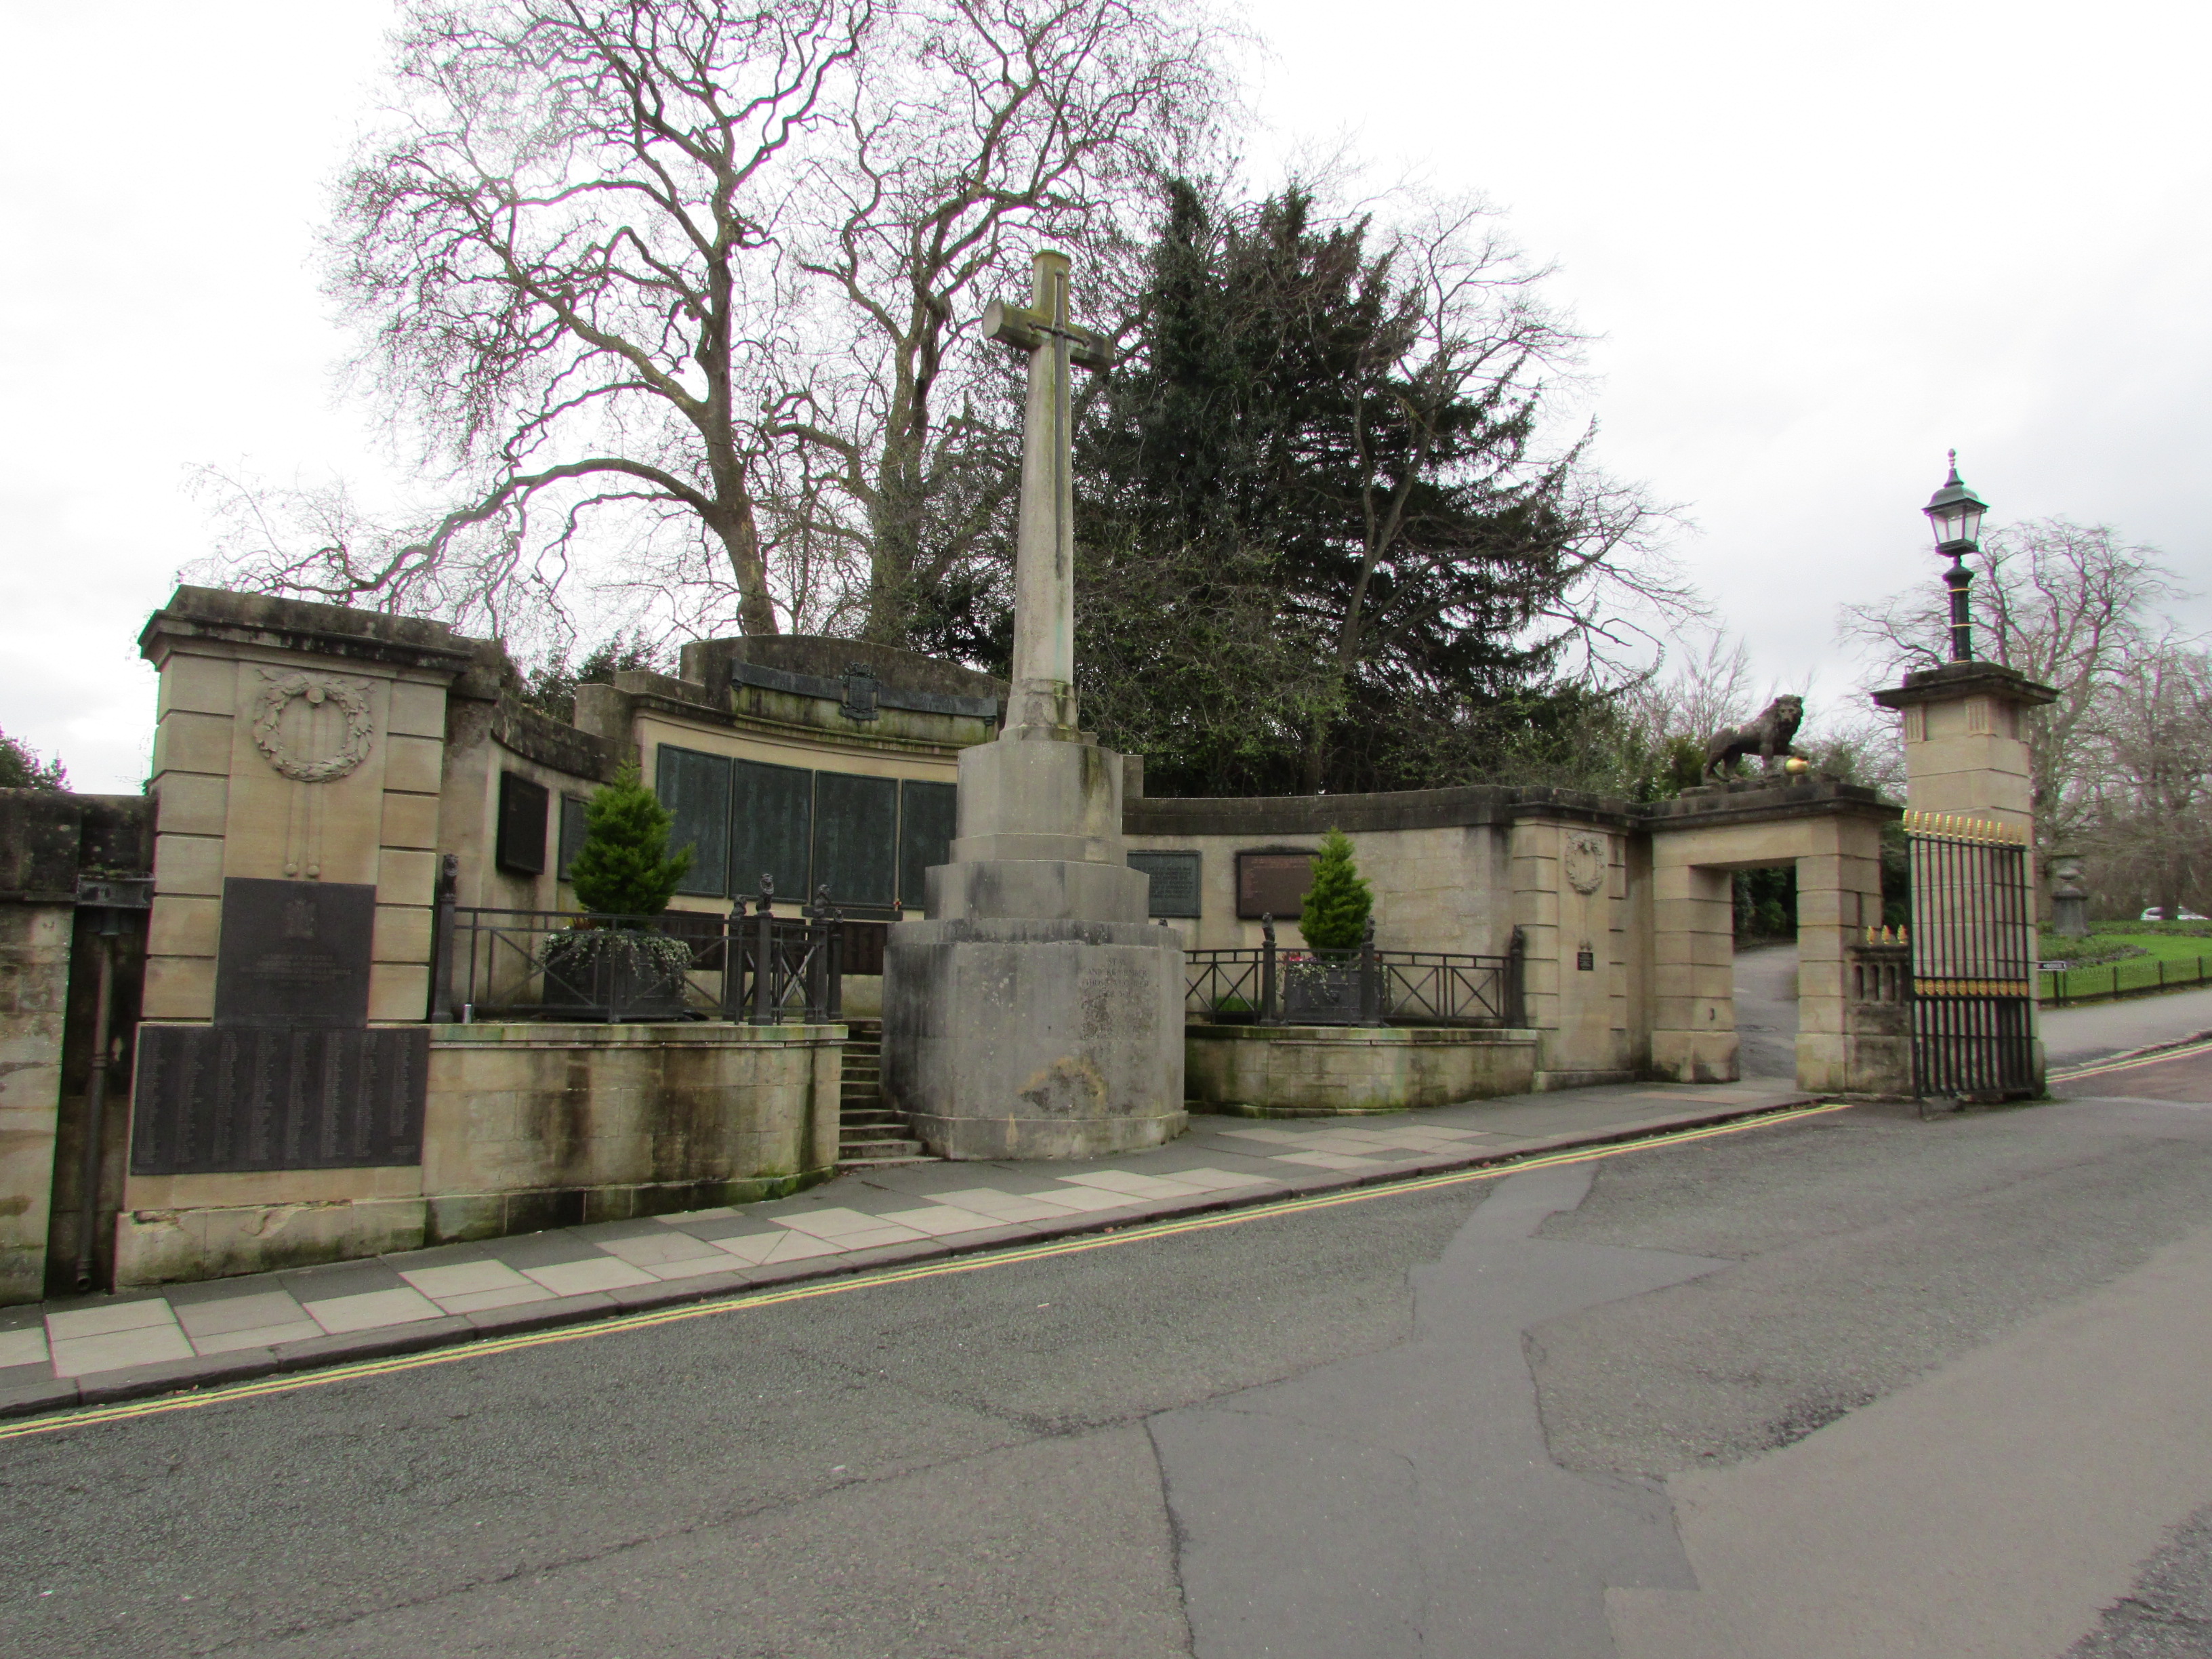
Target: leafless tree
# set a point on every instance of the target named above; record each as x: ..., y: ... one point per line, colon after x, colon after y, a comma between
x: 665, y: 291
x: 2071, y: 606
x: 982, y: 130
x: 2150, y: 788
x: 1444, y: 396
x: 559, y: 243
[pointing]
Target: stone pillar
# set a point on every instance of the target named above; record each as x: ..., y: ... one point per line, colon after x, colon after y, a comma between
x: 299, y: 744
x: 1693, y: 1036
x: 1877, y: 1019
x: 1838, y: 896
x: 1965, y: 742
x: 2069, y: 900
x: 1967, y: 754
x: 1569, y: 902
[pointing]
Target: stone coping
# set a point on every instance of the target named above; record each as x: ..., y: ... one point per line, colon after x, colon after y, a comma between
x: 304, y: 625
x: 97, y: 1349
x: 1374, y: 1034
x: 598, y: 1034
x: 1951, y: 680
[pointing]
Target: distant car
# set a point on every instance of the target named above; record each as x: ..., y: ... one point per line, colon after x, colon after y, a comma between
x: 2156, y: 914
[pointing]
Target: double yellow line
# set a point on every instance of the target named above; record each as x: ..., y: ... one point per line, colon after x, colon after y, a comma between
x: 95, y: 1415
x: 2185, y: 1052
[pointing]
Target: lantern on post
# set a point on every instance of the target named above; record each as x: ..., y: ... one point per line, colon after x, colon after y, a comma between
x: 1955, y: 513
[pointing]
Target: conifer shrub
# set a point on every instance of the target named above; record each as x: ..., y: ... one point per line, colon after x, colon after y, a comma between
x: 624, y: 867
x: 1337, y: 905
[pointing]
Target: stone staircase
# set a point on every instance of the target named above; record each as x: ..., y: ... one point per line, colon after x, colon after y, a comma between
x: 871, y: 1134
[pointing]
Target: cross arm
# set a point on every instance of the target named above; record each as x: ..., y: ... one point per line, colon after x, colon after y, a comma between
x: 1026, y: 329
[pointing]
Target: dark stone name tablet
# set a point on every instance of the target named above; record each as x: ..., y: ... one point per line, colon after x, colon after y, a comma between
x: 293, y: 953
x: 214, y: 1098
x: 1175, y: 881
x: 1273, y: 885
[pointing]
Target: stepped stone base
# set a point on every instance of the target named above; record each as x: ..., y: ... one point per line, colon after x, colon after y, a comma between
x: 1035, y: 1038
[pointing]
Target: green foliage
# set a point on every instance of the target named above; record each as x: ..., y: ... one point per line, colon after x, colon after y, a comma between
x: 550, y: 688
x: 1338, y: 904
x: 623, y: 867
x: 21, y: 769
x: 1226, y: 472
x: 1766, y: 903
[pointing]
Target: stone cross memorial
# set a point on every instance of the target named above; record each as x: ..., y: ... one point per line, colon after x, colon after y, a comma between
x: 1035, y: 1014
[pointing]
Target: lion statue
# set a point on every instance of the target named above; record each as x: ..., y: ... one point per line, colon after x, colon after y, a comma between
x: 1768, y: 737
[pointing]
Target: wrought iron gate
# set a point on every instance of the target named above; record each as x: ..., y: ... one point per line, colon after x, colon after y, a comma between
x: 1974, y: 958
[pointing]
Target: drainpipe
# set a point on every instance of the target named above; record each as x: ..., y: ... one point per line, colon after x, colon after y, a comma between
x: 95, y: 1102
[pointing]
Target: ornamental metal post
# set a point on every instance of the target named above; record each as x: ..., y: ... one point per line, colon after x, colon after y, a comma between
x: 1267, y: 970
x: 1369, y: 992
x: 817, y: 953
x: 733, y: 961
x: 764, y: 986
x: 833, y: 1010
x: 1516, y: 965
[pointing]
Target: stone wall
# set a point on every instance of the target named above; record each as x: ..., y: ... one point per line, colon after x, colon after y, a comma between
x: 48, y: 967
x: 1324, y: 1071
x: 527, y: 1127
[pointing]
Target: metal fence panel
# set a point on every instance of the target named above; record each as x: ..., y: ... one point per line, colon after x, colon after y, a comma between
x: 1973, y: 960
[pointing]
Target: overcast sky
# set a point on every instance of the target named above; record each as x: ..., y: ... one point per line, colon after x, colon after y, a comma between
x: 1819, y: 247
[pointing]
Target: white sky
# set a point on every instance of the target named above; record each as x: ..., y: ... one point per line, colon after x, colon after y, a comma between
x: 1819, y: 246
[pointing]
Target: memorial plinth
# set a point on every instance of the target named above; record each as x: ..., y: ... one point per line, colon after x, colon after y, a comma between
x: 1036, y: 1013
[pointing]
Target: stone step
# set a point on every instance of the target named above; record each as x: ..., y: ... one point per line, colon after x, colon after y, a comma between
x: 853, y: 1151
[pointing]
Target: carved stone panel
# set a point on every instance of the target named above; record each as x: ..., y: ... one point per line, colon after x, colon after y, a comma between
x: 214, y: 1099
x: 1588, y: 855
x: 293, y: 953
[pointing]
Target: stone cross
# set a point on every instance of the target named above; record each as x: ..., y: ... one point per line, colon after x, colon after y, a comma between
x: 1044, y: 561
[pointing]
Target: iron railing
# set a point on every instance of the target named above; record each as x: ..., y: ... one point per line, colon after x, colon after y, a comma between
x: 1267, y: 985
x: 1974, y: 959
x: 2060, y: 984
x: 751, y: 965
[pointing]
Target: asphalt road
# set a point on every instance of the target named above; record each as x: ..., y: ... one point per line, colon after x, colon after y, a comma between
x: 1945, y: 1374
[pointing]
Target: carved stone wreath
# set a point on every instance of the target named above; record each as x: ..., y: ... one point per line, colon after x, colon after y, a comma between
x: 1587, y: 859
x: 269, y: 714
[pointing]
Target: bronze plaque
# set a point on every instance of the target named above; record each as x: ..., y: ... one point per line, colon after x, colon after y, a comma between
x: 214, y: 1098
x: 1273, y: 885
x: 293, y: 953
x: 1175, y: 881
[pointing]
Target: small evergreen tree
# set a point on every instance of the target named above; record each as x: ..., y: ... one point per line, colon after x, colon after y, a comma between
x: 1334, y: 915
x: 623, y: 868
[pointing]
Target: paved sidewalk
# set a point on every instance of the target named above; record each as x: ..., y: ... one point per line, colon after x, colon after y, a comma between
x: 95, y: 1349
x: 2094, y: 1031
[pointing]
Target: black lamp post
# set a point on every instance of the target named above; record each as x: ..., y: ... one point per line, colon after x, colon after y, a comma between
x: 1956, y: 513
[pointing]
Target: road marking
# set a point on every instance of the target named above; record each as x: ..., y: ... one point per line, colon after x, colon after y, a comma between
x: 2186, y: 1052
x: 93, y: 1416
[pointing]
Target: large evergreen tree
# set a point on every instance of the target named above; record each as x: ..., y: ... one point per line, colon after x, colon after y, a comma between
x: 1319, y: 551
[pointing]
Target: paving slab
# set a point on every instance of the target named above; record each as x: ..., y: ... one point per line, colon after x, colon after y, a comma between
x: 87, y: 1349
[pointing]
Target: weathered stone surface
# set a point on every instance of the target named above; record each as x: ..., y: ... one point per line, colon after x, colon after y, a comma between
x: 1011, y: 1038
x: 1322, y: 1071
x: 526, y: 1126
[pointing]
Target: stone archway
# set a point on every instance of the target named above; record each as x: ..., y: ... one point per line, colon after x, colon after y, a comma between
x: 1832, y: 834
